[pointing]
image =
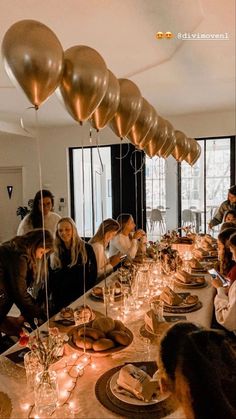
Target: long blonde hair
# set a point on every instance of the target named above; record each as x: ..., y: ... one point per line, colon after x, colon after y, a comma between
x: 77, y: 246
x: 106, y: 226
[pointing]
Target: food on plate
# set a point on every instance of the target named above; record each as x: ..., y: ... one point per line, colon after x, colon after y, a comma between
x: 184, y: 276
x: 105, y: 324
x: 195, y: 264
x: 104, y: 334
x: 170, y: 297
x: 199, y: 280
x: 137, y: 382
x: 90, y: 332
x: 191, y: 299
x: 119, y: 325
x: 97, y: 291
x: 103, y: 344
x: 84, y: 314
x: 83, y: 342
x: 67, y: 312
x: 120, y: 337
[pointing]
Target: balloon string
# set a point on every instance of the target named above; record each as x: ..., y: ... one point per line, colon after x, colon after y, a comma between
x: 22, y: 120
x: 102, y: 214
x: 83, y: 221
x: 135, y: 180
x: 142, y: 203
x: 126, y: 154
x: 43, y: 218
x: 120, y: 178
x: 151, y: 225
x: 131, y: 162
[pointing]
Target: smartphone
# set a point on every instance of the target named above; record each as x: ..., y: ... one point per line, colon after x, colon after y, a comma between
x: 216, y: 274
x: 122, y: 257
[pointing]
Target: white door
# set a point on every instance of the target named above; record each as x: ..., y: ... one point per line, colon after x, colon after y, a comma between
x: 10, y: 200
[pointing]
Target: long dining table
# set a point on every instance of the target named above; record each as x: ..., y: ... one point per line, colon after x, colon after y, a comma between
x: 80, y: 401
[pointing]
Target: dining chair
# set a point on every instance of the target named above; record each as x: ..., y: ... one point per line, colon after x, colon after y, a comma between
x: 188, y: 217
x: 157, y: 219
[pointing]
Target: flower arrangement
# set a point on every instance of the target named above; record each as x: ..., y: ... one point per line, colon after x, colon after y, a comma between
x: 46, y: 349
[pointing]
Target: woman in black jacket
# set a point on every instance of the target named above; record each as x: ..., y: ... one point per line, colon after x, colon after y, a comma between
x: 73, y: 263
x: 20, y: 274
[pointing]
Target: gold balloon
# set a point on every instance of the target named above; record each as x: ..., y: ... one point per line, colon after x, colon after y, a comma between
x: 33, y: 58
x: 109, y: 104
x: 128, y: 110
x: 84, y: 82
x: 170, y: 141
x: 197, y: 155
x: 157, y: 142
x: 143, y: 124
x: 151, y: 132
x: 181, y: 148
x: 193, y: 150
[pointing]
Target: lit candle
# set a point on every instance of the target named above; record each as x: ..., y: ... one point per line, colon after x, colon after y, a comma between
x: 25, y: 406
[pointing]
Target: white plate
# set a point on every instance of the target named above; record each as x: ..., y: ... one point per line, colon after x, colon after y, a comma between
x: 195, y: 285
x: 182, y: 305
x: 132, y: 399
x: 58, y: 317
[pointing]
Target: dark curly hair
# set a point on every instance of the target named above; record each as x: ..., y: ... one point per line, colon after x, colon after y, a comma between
x: 35, y: 215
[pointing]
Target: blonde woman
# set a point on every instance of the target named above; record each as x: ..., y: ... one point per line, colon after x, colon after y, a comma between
x: 127, y: 241
x: 73, y: 263
x: 106, y: 231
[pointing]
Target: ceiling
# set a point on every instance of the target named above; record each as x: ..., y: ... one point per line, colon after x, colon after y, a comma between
x: 176, y: 76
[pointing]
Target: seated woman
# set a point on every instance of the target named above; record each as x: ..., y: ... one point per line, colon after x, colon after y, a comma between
x: 227, y: 264
x: 199, y: 368
x: 20, y: 279
x: 230, y: 216
x: 225, y: 300
x: 126, y: 241
x: 35, y: 218
x: 73, y: 265
x: 106, y: 231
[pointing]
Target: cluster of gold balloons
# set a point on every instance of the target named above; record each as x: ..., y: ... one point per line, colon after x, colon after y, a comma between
x: 34, y: 59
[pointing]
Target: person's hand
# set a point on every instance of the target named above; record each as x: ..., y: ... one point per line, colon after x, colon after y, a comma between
x: 210, y: 226
x: 216, y: 283
x: 138, y: 234
x: 114, y: 260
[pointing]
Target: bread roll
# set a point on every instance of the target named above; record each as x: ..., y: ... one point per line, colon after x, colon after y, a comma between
x: 103, y: 344
x: 105, y: 324
x: 84, y: 342
x: 67, y: 312
x: 191, y: 299
x: 97, y: 291
x: 199, y: 280
x: 90, y: 332
x: 119, y: 325
x: 120, y: 337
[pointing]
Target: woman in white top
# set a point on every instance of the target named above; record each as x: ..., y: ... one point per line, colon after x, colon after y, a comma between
x: 126, y: 241
x: 225, y: 300
x: 106, y: 231
x: 35, y: 218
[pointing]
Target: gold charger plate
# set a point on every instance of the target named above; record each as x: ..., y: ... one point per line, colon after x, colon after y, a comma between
x: 192, y: 285
x: 107, y: 352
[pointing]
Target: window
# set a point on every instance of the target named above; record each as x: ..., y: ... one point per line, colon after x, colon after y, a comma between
x: 204, y: 186
x: 90, y: 187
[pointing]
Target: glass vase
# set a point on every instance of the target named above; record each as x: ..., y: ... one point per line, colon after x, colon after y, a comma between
x: 45, y: 393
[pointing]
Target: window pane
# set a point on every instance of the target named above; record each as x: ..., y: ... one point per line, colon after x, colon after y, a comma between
x: 96, y: 193
x: 83, y: 213
x: 215, y: 183
x: 155, y: 193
